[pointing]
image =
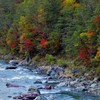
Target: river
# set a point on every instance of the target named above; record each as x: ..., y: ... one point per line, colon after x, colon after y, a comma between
x: 25, y: 78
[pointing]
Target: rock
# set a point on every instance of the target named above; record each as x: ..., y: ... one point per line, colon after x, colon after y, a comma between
x: 34, y: 89
x: 41, y: 97
x: 28, y: 96
x: 85, y: 90
x: 81, y: 88
x: 11, y: 67
x: 96, y: 79
x: 53, y: 81
x: 14, y: 62
x: 33, y: 64
x: 73, y: 83
x: 12, y: 85
x: 9, y: 96
x: 41, y: 70
x: 93, y: 85
x: 55, y: 71
x: 23, y: 63
x: 17, y: 97
x: 62, y: 84
x: 38, y: 82
x: 48, y: 87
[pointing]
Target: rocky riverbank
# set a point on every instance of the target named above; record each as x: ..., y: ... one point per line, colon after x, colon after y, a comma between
x: 80, y: 84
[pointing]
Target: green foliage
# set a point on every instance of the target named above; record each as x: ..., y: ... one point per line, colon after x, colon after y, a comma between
x: 98, y: 71
x: 54, y: 42
x: 51, y: 27
x: 52, y: 12
x: 50, y: 59
x: 36, y: 58
x: 62, y: 62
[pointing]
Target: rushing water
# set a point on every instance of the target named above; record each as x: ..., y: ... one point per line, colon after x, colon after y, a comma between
x: 23, y: 77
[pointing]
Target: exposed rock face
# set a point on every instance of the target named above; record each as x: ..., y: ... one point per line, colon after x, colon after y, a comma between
x: 23, y: 63
x: 55, y: 71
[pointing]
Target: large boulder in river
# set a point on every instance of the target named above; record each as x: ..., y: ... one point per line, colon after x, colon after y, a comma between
x: 11, y: 67
x: 14, y: 62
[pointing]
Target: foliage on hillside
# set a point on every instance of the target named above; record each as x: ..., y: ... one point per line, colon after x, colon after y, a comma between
x: 70, y: 28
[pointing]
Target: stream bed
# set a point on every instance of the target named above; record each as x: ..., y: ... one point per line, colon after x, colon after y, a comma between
x: 26, y: 78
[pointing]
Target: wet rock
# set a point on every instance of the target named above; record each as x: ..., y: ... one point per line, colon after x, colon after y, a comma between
x: 53, y: 81
x: 85, y: 90
x: 9, y: 96
x: 38, y: 82
x: 34, y: 89
x: 81, y: 88
x: 11, y: 67
x: 96, y: 79
x: 13, y: 85
x: 41, y: 70
x: 28, y: 96
x: 48, y: 87
x: 93, y: 85
x: 17, y: 97
x: 62, y: 84
x: 41, y: 97
x: 23, y: 63
x: 73, y: 83
x: 33, y: 64
x: 14, y: 62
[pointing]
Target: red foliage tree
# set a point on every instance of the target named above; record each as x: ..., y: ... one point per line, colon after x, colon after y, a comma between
x: 28, y: 44
x: 44, y: 43
x: 84, y: 55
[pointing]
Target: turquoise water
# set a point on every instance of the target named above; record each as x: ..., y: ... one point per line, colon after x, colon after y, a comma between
x: 23, y: 77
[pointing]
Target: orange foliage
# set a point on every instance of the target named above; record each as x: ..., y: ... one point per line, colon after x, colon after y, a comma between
x: 90, y: 34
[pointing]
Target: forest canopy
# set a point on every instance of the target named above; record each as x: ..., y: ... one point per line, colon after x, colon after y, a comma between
x: 57, y: 27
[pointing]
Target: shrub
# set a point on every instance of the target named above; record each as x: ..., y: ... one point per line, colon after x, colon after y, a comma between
x: 36, y: 58
x: 98, y: 71
x: 50, y: 59
x: 62, y: 62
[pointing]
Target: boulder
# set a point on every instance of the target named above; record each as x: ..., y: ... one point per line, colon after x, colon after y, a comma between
x: 14, y: 62
x: 62, y: 84
x: 23, y: 63
x: 11, y: 67
x: 34, y: 90
x: 41, y: 97
x: 13, y: 85
x: 55, y: 71
x: 48, y: 87
x: 38, y: 82
x: 93, y: 85
x: 28, y: 96
x: 41, y: 70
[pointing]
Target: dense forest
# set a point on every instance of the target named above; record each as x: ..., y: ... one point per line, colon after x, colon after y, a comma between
x: 64, y: 29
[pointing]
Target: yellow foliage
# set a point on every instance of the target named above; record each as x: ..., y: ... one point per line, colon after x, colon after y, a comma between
x: 24, y: 24
x: 83, y: 34
x: 98, y: 53
x: 8, y: 42
x: 76, y: 5
x: 22, y: 36
x: 68, y: 2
